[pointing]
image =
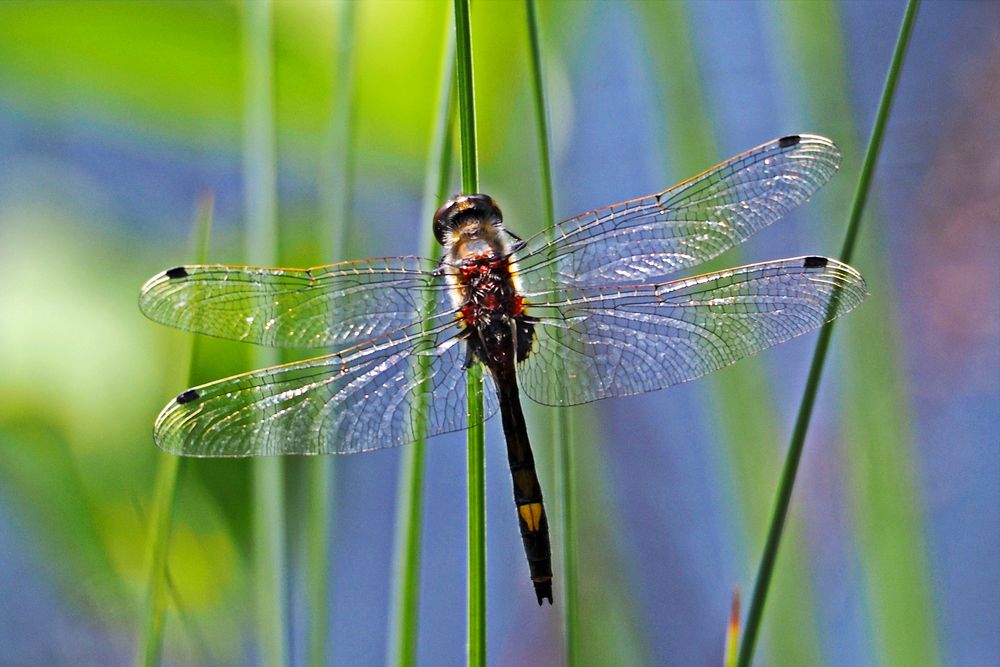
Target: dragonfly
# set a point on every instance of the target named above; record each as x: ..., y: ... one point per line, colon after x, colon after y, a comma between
x: 569, y: 316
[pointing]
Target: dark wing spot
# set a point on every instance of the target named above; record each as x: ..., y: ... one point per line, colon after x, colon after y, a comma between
x: 790, y: 140
x: 815, y: 262
x: 187, y: 397
x: 177, y: 272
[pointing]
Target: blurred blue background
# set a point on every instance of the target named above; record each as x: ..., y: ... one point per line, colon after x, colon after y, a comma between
x: 115, y: 118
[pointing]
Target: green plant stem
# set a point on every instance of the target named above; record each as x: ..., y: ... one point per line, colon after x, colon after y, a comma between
x: 745, y: 413
x: 168, y: 470
x: 319, y: 480
x: 541, y: 115
x: 161, y: 522
x: 561, y: 431
x: 335, y: 195
x: 409, y: 504
x: 790, y: 469
x: 339, y: 169
x: 474, y: 387
x: 262, y: 235
x: 466, y: 97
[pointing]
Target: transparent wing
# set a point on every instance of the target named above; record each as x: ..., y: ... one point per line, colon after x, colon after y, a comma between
x: 600, y: 342
x: 327, y: 306
x: 365, y: 398
x: 643, y: 239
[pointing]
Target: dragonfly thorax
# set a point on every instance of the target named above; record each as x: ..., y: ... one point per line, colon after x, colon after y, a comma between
x: 481, y: 274
x: 493, y: 311
x: 487, y: 290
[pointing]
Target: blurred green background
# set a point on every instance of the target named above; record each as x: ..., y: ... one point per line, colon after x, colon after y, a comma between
x: 115, y: 117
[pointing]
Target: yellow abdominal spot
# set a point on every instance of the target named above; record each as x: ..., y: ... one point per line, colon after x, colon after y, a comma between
x: 531, y: 514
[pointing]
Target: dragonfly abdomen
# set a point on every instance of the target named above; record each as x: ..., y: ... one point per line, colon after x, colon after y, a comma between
x: 533, y: 523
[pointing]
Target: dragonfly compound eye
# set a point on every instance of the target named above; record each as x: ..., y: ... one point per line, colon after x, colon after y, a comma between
x: 465, y: 208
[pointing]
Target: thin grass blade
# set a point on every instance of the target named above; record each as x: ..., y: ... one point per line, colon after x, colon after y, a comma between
x: 746, y: 415
x: 561, y: 425
x: 790, y: 470
x: 335, y: 197
x: 404, y: 621
x: 168, y: 470
x: 261, y: 248
x: 475, y: 438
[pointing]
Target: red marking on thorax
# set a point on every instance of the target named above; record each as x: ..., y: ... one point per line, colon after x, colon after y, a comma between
x: 478, y: 268
x: 490, y: 290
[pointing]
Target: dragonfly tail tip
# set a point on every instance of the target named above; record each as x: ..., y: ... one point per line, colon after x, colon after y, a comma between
x: 543, y: 591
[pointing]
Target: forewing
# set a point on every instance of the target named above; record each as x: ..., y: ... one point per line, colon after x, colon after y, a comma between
x: 369, y: 397
x: 327, y: 306
x: 598, y: 343
x: 644, y: 239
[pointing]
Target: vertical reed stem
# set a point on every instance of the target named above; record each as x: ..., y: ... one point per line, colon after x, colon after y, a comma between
x: 261, y: 246
x: 335, y: 188
x: 474, y: 390
x: 561, y: 431
x: 409, y: 506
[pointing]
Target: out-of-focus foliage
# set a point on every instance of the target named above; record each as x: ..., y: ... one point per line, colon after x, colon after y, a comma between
x: 115, y: 117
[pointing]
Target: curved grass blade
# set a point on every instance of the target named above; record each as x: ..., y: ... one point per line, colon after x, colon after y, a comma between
x: 561, y: 425
x: 749, y: 415
x: 880, y: 460
x: 788, y: 475
x: 168, y: 469
x: 409, y: 505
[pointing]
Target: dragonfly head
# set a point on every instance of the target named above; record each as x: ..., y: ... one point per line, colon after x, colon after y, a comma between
x: 468, y: 223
